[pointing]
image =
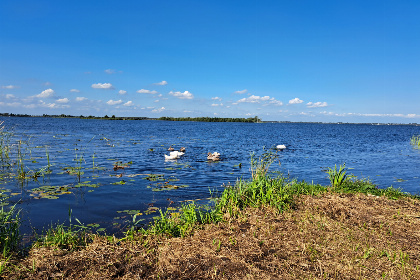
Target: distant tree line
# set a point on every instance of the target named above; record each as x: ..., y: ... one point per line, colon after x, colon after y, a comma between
x: 113, y: 117
x: 214, y: 119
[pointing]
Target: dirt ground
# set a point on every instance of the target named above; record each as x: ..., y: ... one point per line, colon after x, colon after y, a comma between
x: 327, y: 237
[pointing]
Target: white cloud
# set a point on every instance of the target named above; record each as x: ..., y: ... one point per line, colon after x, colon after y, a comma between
x: 9, y: 96
x: 81, y: 98
x: 409, y: 116
x: 254, y: 99
x: 259, y: 99
x: 103, y: 86
x: 182, y: 95
x: 62, y: 100
x: 276, y: 102
x: 215, y: 105
x: 147, y: 91
x: 128, y: 103
x: 241, y: 91
x: 9, y: 87
x: 122, y: 92
x: 316, y: 104
x: 163, y: 83
x: 47, y: 84
x: 295, y: 101
x: 112, y: 102
x: 46, y: 93
x: 216, y: 98
x: 109, y: 71
x: 158, y: 110
x: 74, y: 90
x: 12, y: 104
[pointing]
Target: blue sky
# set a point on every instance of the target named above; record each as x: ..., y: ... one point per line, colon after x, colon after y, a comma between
x: 331, y: 61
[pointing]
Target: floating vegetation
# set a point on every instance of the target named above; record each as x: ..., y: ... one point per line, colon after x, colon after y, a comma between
x: 87, y: 184
x: 50, y: 192
x: 180, y: 166
x: 131, y: 212
x: 151, y: 209
x: 399, y: 180
x: 121, y: 165
x: 122, y: 182
x: 72, y: 171
x: 155, y: 177
x: 162, y: 186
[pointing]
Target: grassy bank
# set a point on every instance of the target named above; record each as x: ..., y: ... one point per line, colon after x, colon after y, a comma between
x: 267, y: 227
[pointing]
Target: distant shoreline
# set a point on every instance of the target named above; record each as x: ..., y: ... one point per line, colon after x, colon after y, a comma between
x: 195, y: 119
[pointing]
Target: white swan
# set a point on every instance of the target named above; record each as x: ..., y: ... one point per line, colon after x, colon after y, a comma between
x: 213, y: 156
x: 174, y: 155
x: 281, y: 147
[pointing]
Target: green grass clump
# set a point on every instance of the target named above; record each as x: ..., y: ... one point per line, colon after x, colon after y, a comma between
x: 9, y: 230
x: 338, y: 177
x: 183, y: 223
x: 69, y: 237
x: 415, y: 141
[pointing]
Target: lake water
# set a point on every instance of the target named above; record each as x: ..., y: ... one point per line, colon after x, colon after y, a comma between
x: 99, y: 194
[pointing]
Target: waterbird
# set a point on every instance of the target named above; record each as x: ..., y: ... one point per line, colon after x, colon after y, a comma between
x: 170, y: 148
x: 213, y: 156
x: 174, y: 155
x: 182, y: 149
x: 281, y: 147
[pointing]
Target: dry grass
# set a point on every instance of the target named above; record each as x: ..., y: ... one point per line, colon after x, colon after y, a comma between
x: 331, y: 236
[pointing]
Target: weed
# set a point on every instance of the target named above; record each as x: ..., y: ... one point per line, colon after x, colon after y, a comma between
x: 190, y: 216
x: 9, y: 230
x: 66, y: 237
x: 415, y: 141
x: 337, y: 177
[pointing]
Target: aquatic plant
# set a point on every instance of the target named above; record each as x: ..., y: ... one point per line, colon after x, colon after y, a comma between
x: 260, y: 165
x: 9, y: 230
x: 5, y: 145
x: 415, y: 141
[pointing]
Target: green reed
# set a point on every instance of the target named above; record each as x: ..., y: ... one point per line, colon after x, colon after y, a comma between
x: 9, y: 230
x: 415, y: 141
x: 5, y: 146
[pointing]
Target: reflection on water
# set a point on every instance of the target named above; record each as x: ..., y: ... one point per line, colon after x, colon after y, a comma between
x: 103, y: 169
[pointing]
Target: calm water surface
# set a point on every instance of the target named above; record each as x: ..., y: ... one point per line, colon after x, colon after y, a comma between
x: 381, y: 153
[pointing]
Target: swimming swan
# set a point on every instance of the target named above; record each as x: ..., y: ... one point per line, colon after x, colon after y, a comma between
x: 213, y: 156
x: 174, y: 155
x: 281, y: 147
